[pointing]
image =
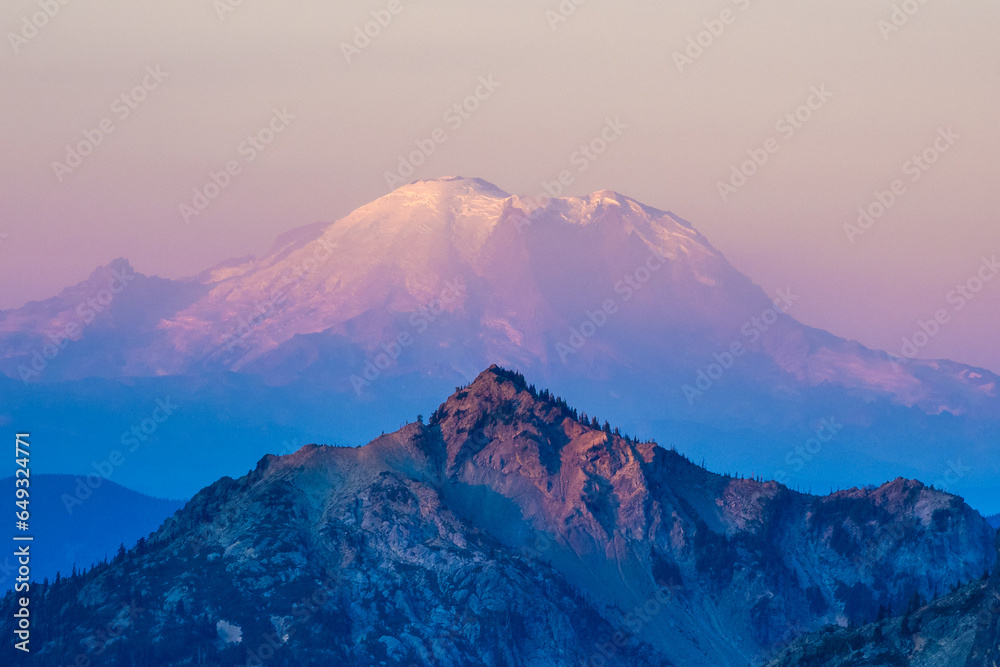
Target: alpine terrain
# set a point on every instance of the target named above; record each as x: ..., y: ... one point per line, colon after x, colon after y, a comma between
x: 508, y: 529
x: 346, y: 327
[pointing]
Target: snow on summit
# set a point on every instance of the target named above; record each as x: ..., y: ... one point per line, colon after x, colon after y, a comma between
x: 397, y: 253
x: 627, y: 305
x: 474, y: 275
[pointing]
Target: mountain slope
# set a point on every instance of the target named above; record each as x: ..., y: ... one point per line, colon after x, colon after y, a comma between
x: 92, y: 328
x: 519, y: 273
x: 77, y: 525
x: 611, y: 302
x: 960, y: 629
x: 508, y: 531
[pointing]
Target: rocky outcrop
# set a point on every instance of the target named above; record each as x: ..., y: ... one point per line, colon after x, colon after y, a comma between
x: 961, y: 629
x: 507, y: 530
x: 986, y: 647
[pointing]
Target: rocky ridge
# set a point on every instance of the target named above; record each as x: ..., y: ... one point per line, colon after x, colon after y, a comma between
x: 507, y: 529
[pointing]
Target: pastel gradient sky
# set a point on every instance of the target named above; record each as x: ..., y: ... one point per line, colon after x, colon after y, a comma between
x: 685, y: 132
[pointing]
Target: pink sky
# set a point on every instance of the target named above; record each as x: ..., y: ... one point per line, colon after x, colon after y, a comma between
x: 688, y: 125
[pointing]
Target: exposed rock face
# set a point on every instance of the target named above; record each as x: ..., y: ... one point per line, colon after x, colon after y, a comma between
x: 506, y: 531
x: 961, y: 629
x: 986, y: 648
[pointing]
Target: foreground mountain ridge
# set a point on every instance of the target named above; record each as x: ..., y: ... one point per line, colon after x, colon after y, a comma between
x: 508, y: 530
x: 961, y: 629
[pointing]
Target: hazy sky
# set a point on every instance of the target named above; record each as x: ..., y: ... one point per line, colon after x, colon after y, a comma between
x: 887, y: 95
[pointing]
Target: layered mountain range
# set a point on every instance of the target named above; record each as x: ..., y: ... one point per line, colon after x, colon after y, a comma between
x: 610, y: 302
x: 508, y: 529
x: 75, y: 525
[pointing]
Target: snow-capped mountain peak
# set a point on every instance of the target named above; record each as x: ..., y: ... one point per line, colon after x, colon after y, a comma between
x: 442, y: 277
